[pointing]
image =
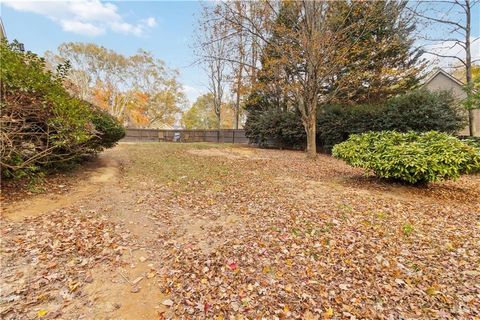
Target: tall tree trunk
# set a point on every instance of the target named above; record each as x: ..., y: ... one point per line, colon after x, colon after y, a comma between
x: 237, y: 98
x: 239, y: 73
x: 468, y: 63
x: 237, y: 108
x: 310, y: 123
x: 308, y: 110
x: 219, y: 120
x: 311, y: 139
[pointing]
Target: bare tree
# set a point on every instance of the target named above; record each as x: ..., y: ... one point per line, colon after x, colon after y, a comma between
x: 456, y: 18
x: 244, y: 48
x: 241, y: 48
x: 238, y: 50
x: 211, y: 46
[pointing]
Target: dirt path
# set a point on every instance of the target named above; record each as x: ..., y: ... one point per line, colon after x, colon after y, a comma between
x: 125, y: 291
x: 103, y: 174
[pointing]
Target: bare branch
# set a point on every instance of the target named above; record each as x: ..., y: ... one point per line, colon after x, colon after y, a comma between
x: 447, y: 56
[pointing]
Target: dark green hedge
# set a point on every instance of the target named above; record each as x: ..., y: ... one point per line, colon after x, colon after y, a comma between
x: 422, y: 111
x: 336, y: 123
x: 419, y: 110
x: 268, y: 126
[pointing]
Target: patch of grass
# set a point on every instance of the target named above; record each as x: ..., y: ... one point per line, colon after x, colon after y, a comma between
x: 415, y: 267
x: 407, y: 229
x: 381, y: 215
x: 295, y: 231
x: 171, y: 163
x: 327, y: 227
x: 345, y: 207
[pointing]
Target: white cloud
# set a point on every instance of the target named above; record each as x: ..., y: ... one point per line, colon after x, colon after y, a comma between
x: 87, y: 17
x: 193, y: 93
x: 151, y: 22
x: 127, y: 28
x: 81, y: 28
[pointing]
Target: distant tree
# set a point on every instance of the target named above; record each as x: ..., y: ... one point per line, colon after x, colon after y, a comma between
x: 473, y: 93
x: 243, y: 48
x: 140, y: 90
x: 164, y: 94
x: 473, y: 89
x: 228, y: 115
x: 201, y: 115
x: 211, y: 45
x: 459, y: 71
x: 224, y: 43
x: 386, y: 61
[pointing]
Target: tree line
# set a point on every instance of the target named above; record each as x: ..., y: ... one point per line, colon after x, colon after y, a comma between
x: 139, y: 90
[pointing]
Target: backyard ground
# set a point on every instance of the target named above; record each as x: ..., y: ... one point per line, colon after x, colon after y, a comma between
x: 153, y: 231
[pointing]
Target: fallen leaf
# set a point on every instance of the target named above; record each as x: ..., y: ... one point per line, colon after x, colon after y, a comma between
x: 167, y: 302
x: 232, y: 266
x: 42, y: 313
x: 431, y: 291
x: 328, y: 313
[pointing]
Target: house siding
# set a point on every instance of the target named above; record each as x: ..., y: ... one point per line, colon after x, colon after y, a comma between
x: 442, y: 82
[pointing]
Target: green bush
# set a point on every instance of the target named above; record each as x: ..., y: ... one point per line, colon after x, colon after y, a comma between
x: 419, y: 110
x: 108, y: 130
x: 473, y: 141
x: 270, y: 126
x: 336, y: 123
x: 415, y: 158
x: 42, y: 125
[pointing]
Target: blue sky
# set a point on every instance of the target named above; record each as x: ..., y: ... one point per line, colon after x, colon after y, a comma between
x: 163, y: 27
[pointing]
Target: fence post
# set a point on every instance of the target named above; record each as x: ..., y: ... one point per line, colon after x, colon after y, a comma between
x: 233, y: 136
x: 218, y: 136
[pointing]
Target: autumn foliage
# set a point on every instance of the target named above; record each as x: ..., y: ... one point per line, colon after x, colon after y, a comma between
x: 139, y: 90
x: 316, y: 53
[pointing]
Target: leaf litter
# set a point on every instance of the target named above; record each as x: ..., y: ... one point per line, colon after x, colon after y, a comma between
x: 48, y: 258
x: 271, y: 236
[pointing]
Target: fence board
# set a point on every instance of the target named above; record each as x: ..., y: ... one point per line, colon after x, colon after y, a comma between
x: 217, y: 136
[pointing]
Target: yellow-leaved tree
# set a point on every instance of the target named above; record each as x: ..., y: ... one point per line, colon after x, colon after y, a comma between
x: 140, y: 90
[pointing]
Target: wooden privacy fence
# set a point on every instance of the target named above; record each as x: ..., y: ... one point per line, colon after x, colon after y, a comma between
x: 218, y: 136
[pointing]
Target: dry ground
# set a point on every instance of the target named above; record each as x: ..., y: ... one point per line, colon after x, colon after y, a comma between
x: 153, y: 231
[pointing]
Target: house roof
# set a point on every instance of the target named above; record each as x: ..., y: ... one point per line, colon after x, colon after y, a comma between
x: 445, y: 73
